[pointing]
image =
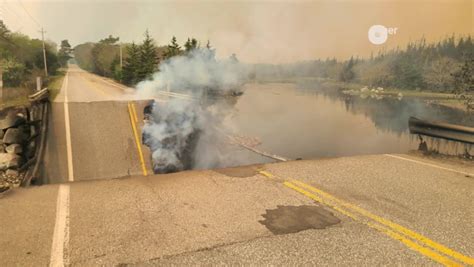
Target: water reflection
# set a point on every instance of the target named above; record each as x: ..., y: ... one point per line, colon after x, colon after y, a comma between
x: 311, y: 122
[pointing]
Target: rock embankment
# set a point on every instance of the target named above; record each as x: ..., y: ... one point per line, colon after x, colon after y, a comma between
x: 17, y: 146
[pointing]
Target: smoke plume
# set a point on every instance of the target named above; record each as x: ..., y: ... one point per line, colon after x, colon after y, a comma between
x: 194, y: 95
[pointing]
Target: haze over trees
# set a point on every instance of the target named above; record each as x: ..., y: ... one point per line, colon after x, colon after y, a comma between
x: 419, y: 66
x: 64, y: 53
x: 140, y: 61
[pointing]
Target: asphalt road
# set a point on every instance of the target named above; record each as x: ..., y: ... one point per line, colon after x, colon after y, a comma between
x: 251, y: 215
x: 99, y: 208
x: 102, y: 143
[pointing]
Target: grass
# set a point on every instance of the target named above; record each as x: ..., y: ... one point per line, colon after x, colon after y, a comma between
x: 14, y: 97
x: 55, y: 83
x: 444, y: 99
x: 18, y: 101
x: 453, y: 103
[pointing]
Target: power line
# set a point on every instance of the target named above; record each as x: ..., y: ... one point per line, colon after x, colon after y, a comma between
x: 8, y: 10
x: 29, y: 15
x: 42, y: 37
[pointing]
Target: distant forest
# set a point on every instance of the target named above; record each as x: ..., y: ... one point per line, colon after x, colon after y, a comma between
x: 446, y: 66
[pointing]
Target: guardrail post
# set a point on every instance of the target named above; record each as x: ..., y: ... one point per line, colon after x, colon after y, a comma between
x: 38, y: 84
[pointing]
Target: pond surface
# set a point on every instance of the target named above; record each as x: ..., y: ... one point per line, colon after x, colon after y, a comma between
x: 309, y: 122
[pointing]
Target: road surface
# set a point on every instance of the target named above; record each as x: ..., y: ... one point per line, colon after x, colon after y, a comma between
x: 96, y: 132
x: 218, y: 217
x: 363, y: 210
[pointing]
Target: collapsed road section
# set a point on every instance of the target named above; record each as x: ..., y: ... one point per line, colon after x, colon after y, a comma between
x: 102, y: 142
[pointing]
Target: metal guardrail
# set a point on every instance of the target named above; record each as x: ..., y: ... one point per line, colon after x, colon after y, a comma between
x: 41, y: 95
x: 443, y: 130
x: 41, y: 100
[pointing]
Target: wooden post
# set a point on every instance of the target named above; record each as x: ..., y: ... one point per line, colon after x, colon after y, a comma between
x: 38, y: 84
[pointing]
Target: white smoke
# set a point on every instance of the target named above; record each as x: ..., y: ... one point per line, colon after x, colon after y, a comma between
x: 195, y: 94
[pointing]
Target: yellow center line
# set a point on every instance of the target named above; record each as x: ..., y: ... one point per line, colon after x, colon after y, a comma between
x: 134, y: 112
x: 394, y: 226
x: 414, y: 246
x: 395, y: 231
x: 137, y: 139
x: 267, y: 174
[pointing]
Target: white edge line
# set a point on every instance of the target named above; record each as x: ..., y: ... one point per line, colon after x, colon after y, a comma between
x: 70, y: 167
x: 429, y: 164
x: 60, y: 244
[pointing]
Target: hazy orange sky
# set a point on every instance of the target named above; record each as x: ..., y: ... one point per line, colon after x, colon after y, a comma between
x: 257, y: 31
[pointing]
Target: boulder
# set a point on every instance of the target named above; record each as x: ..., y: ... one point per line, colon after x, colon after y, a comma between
x: 13, y: 173
x: 15, y: 163
x: 11, y: 120
x: 14, y: 149
x: 9, y: 161
x: 2, y: 133
x: 15, y: 136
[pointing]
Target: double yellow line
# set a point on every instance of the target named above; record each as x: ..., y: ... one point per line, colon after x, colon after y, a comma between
x: 409, y: 238
x: 134, y: 120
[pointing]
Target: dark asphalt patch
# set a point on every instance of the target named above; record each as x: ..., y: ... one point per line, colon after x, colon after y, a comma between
x: 293, y: 219
x: 241, y: 172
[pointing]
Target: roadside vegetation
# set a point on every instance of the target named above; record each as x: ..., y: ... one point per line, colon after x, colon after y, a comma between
x: 21, y: 61
x: 55, y: 83
x: 139, y: 61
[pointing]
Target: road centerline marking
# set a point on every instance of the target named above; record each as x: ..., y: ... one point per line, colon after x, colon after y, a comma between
x: 137, y: 139
x: 70, y: 167
x: 60, y: 244
x: 134, y: 112
x: 391, y: 229
x: 398, y: 228
x: 392, y: 234
x: 429, y: 164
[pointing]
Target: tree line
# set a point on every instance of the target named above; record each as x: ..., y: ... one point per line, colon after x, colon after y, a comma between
x: 444, y: 66
x: 139, y: 61
x: 21, y: 58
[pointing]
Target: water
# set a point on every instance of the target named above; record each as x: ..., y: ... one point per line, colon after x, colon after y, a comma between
x: 307, y: 122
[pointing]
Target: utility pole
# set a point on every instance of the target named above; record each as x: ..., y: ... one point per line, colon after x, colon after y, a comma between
x: 44, y: 54
x: 121, y: 57
x: 121, y: 62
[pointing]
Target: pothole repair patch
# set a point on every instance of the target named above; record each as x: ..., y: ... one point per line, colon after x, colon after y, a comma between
x: 241, y: 172
x: 293, y: 219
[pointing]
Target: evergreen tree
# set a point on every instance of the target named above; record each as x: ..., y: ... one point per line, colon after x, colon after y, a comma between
x: 131, y: 65
x: 172, y: 49
x: 148, y: 58
x: 347, y: 74
x: 64, y: 53
x: 190, y: 45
